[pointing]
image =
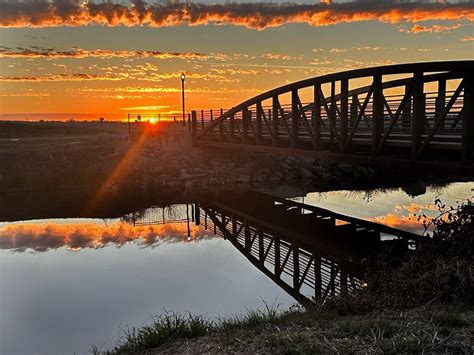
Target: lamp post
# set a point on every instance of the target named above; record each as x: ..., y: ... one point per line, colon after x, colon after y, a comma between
x: 182, y: 76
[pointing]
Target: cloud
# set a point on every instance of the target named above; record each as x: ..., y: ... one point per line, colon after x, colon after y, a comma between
x: 52, y: 53
x: 44, y: 13
x: 338, y: 50
x: 431, y: 29
x: 142, y: 72
x: 400, y: 222
x: 279, y: 56
x: 60, y: 77
x: 46, y: 236
x: 468, y: 38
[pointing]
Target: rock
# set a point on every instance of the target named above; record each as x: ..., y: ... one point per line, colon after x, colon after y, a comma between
x: 319, y: 170
x: 244, y: 179
x: 214, y: 181
x: 305, y: 173
x: 345, y: 168
x: 173, y: 184
x: 275, y: 177
x: 230, y: 179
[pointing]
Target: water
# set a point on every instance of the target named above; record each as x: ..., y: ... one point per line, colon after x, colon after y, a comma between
x: 69, y: 284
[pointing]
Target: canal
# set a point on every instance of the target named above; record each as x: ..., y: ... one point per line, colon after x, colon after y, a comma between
x: 68, y: 284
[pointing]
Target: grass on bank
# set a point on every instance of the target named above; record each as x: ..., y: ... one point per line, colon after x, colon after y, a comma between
x: 427, y: 329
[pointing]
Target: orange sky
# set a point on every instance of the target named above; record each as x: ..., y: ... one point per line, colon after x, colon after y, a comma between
x: 59, y: 61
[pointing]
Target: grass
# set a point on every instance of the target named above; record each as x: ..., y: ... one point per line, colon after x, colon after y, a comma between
x: 164, y: 328
x: 271, y: 330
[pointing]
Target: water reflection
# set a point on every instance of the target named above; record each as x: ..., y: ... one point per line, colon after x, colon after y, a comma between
x: 43, y: 236
x: 216, y: 256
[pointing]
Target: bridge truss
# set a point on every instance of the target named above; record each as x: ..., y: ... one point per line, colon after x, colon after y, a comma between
x: 411, y: 112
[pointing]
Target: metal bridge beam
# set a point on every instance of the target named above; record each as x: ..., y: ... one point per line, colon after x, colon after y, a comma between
x: 377, y: 116
x: 468, y: 120
x: 419, y: 115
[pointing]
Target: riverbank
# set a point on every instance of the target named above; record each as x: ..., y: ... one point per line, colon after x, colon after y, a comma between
x: 421, y: 301
x: 97, y: 157
x: 430, y: 329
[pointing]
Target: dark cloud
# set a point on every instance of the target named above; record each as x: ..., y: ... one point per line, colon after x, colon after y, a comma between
x: 251, y: 15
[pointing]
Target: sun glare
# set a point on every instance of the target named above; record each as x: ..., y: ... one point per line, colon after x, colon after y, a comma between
x: 153, y: 120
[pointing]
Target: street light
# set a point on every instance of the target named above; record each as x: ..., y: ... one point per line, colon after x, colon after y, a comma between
x: 182, y: 97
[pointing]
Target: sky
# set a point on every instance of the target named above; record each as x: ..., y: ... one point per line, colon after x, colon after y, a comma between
x: 77, y: 59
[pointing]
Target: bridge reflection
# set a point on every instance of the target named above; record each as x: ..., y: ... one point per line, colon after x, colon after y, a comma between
x: 309, y: 252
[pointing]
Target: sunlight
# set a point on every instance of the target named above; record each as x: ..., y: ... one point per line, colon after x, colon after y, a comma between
x: 153, y: 120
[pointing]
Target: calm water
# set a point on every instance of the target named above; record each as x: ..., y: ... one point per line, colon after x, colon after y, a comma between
x: 69, y: 284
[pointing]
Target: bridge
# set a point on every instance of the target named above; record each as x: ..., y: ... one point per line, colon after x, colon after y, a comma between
x: 310, y: 252
x: 417, y: 114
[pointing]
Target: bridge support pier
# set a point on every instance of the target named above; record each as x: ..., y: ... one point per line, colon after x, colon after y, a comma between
x: 419, y: 116
x: 378, y: 109
x: 468, y: 120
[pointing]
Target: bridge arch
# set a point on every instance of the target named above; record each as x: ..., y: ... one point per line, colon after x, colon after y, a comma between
x: 419, y: 111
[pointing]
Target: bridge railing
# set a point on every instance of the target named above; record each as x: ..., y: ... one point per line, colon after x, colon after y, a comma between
x: 426, y: 107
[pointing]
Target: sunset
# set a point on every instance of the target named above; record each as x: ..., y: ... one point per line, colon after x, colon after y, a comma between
x: 255, y: 177
x: 91, y: 59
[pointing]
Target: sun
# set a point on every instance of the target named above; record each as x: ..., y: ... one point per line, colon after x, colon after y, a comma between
x: 153, y: 120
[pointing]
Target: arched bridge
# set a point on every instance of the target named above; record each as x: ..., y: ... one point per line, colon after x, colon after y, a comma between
x: 410, y: 113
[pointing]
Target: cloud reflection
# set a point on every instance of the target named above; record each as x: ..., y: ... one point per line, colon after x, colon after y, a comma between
x: 46, y: 236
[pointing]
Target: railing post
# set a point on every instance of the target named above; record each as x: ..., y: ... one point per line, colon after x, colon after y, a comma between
x: 277, y: 256
x: 258, y: 138
x: 468, y: 119
x: 193, y: 125
x: 354, y: 110
x: 128, y: 124
x: 317, y: 278
x: 275, y: 121
x: 294, y: 118
x: 440, y: 101
x: 377, y: 115
x: 316, y: 117
x: 245, y: 124
x: 248, y: 240
x: 197, y: 214
x: 202, y: 119
x: 419, y: 114
x: 406, y: 113
x: 189, y: 122
x: 344, y: 113
x: 232, y: 128
x: 296, y: 269
x: 332, y: 115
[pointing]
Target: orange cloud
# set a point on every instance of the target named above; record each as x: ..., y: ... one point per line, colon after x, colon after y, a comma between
x: 259, y: 16
x: 37, y: 52
x: 279, y: 56
x: 468, y: 38
x: 431, y: 29
x: 47, y: 236
x: 400, y: 222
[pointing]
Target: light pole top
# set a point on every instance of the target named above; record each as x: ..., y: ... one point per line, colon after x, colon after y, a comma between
x: 182, y: 76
